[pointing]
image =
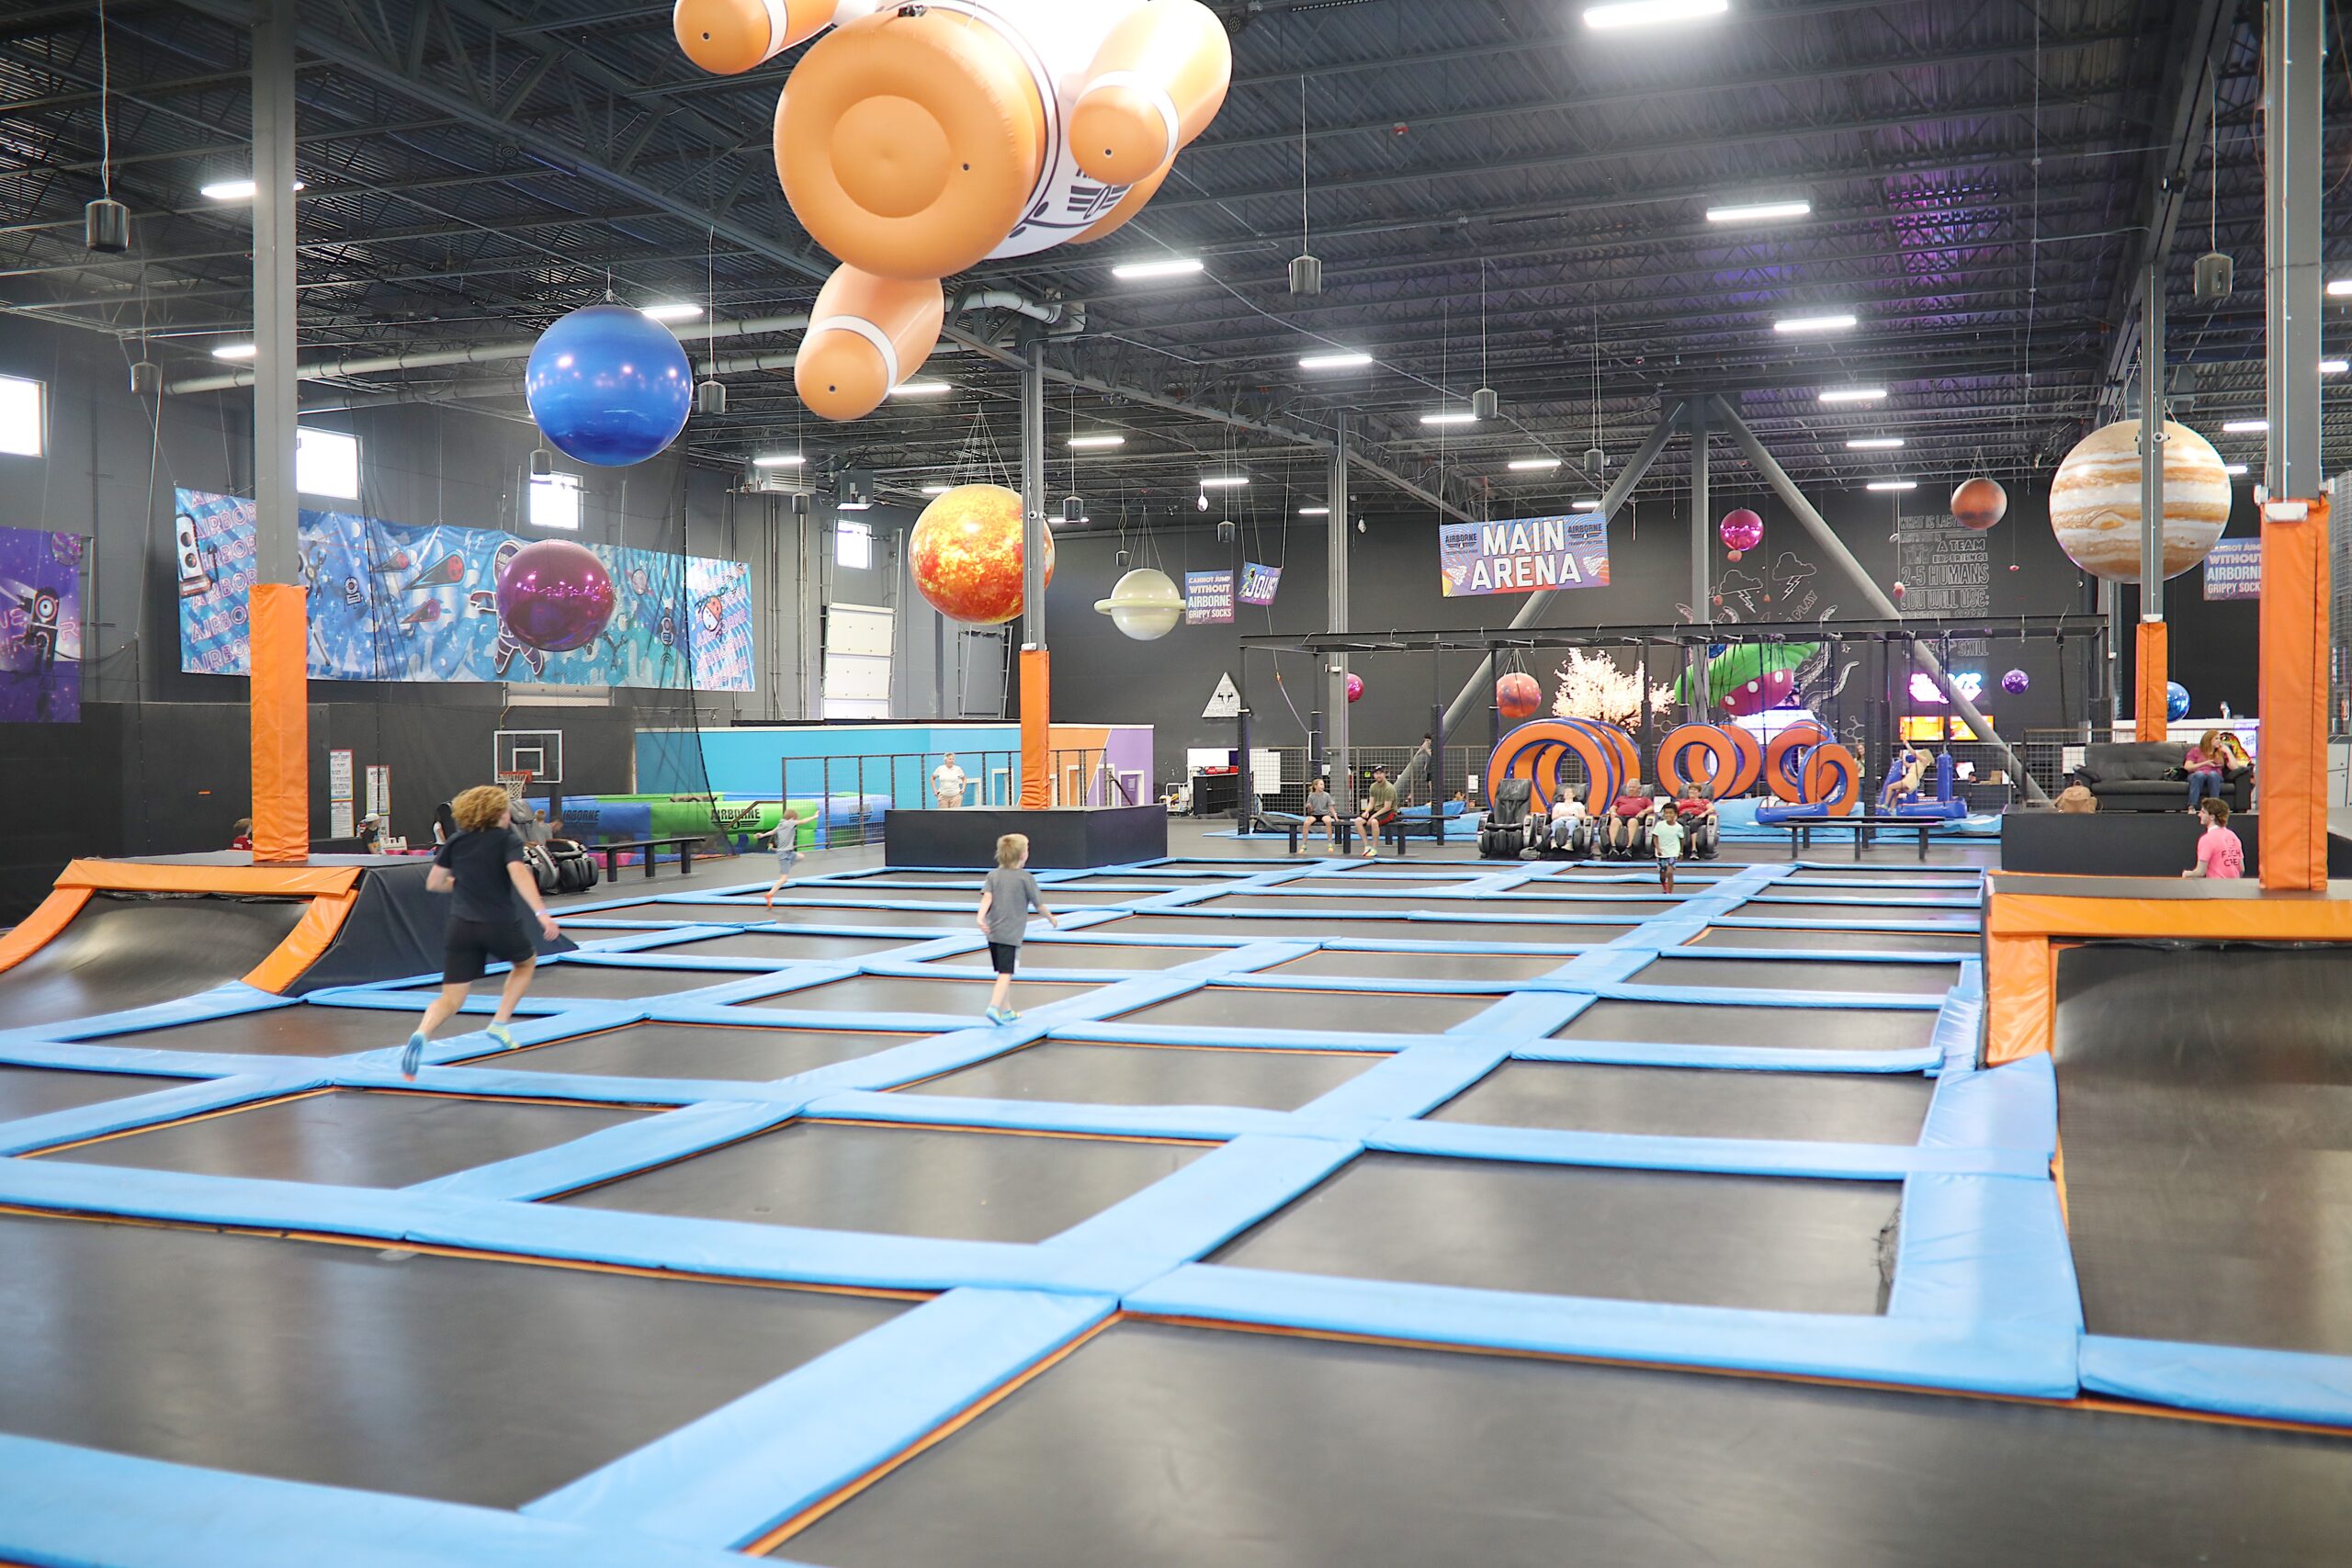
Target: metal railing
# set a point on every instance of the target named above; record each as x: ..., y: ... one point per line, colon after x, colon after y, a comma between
x: 852, y: 793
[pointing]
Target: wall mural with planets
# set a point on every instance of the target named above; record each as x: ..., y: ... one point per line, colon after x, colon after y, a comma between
x: 41, y: 626
x: 390, y: 602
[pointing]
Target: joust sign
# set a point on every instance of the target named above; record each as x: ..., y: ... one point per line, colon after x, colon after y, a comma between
x: 1524, y: 555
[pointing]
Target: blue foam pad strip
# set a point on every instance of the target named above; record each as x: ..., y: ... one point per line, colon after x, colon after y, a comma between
x: 1412, y: 1082
x: 613, y: 1151
x: 1386, y: 984
x: 2229, y: 1379
x: 61, y: 1505
x: 1214, y: 1122
x: 2000, y: 1359
x: 1262, y: 1039
x: 1758, y: 996
x: 730, y: 1477
x: 220, y: 1001
x: 1601, y: 968
x: 586, y: 1088
x: 1984, y: 1250
x: 1530, y: 948
x: 1191, y: 1214
x: 1747, y: 919
x: 2014, y: 1106
x: 1730, y: 1157
x: 98, y: 1057
x: 97, y: 1121
x: 1652, y: 1053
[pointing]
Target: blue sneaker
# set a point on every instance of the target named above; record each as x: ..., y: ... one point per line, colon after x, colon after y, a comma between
x: 414, y: 1057
x: 504, y: 1035
x: 1002, y: 1015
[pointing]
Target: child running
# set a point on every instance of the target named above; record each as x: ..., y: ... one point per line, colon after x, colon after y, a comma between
x: 786, y: 837
x: 484, y: 865
x: 2220, y: 852
x: 1006, y: 899
x: 1665, y: 842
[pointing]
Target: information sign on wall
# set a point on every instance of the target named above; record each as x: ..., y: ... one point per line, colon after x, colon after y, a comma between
x: 1523, y: 555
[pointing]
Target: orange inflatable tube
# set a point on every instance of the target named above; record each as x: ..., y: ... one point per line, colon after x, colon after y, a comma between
x: 1156, y: 82
x: 1674, y: 763
x: 1780, y: 774
x: 865, y: 335
x: 728, y: 38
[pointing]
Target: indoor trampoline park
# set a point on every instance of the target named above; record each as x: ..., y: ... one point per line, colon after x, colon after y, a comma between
x: 1013, y: 784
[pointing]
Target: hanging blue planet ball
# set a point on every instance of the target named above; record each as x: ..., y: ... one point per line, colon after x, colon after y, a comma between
x: 2014, y: 682
x: 2176, y: 701
x: 609, y: 386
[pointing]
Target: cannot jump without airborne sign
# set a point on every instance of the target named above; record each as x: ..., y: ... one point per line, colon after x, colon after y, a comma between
x: 1523, y: 555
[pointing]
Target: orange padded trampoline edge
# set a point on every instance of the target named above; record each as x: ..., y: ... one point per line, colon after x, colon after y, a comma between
x: 54, y: 914
x: 228, y: 880
x: 305, y: 944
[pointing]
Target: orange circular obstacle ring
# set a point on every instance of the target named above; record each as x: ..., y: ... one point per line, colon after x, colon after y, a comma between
x: 1833, y: 780
x: 1783, y: 768
x: 1750, y: 753
x: 1679, y: 764
x: 1537, y: 751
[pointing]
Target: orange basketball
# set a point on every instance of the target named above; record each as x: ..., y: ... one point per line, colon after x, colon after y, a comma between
x: 965, y: 554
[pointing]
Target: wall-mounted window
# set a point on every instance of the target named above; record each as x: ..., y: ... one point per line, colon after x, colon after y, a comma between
x: 326, y: 462
x: 24, y: 417
x: 853, y: 545
x: 555, y: 501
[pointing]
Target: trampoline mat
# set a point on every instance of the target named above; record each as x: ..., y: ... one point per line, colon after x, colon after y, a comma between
x: 1698, y: 1102
x: 900, y: 1180
x: 1108, y: 955
x: 1078, y: 1072
x: 947, y: 916
x: 899, y: 993
x: 1344, y: 1013
x: 1156, y: 1446
x: 1397, y: 887
x: 2205, y: 1107
x: 313, y: 1030
x: 1838, y: 940
x: 672, y: 914
x: 37, y: 1091
x: 1470, y: 967
x: 1770, y: 1243
x: 1267, y: 902
x: 894, y: 874
x: 696, y: 1051
x: 1800, y: 975
x: 472, y: 1381
x: 122, y: 953
x: 1960, y: 917
x: 787, y: 947
x: 1897, y: 887
x: 1698, y: 1023
x: 598, y: 982
x: 347, y: 1137
x: 1381, y: 926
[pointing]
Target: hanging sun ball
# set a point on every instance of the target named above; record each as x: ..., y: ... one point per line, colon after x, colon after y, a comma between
x: 609, y: 386
x: 1741, y: 531
x: 965, y: 555
x: 2014, y: 682
x: 1979, y: 503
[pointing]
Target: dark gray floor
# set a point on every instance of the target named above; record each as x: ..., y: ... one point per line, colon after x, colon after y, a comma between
x: 1089, y: 1074
x: 900, y: 1180
x: 1261, y: 902
x: 1160, y: 1446
x: 1698, y: 1102
x: 1698, y: 1023
x: 305, y: 1030
x: 599, y: 982
x: 1818, y: 941
x: 1774, y: 1244
x: 697, y: 1051
x: 946, y: 917
x: 1088, y: 955
x: 1350, y: 1013
x: 722, y: 914
x: 1961, y: 916
x: 1481, y: 967
x: 490, y: 1383
x: 787, y: 947
x: 1384, y: 928
x: 897, y: 993
x: 2205, y: 1107
x: 1397, y: 887
x: 354, y: 1138
x: 1800, y: 975
x: 123, y: 951
x: 37, y: 1091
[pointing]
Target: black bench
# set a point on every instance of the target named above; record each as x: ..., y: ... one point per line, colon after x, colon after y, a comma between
x: 1800, y: 830
x: 652, y: 848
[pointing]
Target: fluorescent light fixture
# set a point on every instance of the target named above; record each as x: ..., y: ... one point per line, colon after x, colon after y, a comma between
x: 1651, y: 13
x: 1874, y: 444
x: 1224, y: 481
x: 853, y: 506
x: 1853, y: 394
x: 1335, y: 361
x: 1534, y: 465
x: 236, y: 351
x: 937, y: 488
x: 1833, y: 323
x: 1759, y: 211
x: 1085, y: 441
x: 779, y: 460
x: 1174, y: 266
x: 2333, y: 366
x: 1584, y: 506
x: 670, y: 311
x: 1315, y: 512
x: 1893, y: 484
x: 2341, y: 288
x: 233, y: 190
x: 2235, y: 470
x: 2244, y: 427
x: 920, y: 390
x: 1450, y: 416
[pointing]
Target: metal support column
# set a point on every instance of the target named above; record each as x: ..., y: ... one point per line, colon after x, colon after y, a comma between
x: 1694, y: 659
x: 1036, y: 702
x: 1834, y: 548
x: 278, y: 555
x: 2151, y: 652
x: 2293, y: 55
x: 1335, y: 589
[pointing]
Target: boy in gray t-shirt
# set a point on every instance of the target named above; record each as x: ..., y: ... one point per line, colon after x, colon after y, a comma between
x: 1320, y: 808
x: 1006, y: 898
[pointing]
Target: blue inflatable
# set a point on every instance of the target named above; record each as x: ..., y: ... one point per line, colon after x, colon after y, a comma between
x: 609, y: 386
x: 2176, y: 701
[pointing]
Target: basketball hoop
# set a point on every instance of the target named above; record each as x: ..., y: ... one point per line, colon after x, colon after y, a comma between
x: 515, y: 784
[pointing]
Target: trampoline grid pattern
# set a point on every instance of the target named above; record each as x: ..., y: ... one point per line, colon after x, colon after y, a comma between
x: 1983, y: 1295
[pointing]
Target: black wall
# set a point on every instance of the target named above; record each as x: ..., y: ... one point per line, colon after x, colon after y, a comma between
x: 2213, y: 648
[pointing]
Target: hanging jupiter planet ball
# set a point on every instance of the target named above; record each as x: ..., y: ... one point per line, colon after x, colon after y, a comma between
x: 1979, y: 503
x: 2094, y: 500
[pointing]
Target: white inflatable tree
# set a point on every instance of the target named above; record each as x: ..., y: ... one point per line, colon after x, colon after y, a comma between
x: 1593, y: 686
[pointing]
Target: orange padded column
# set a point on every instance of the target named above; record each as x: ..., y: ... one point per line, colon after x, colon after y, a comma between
x: 2156, y: 676
x: 282, y: 722
x: 2293, y: 765
x: 1036, y: 730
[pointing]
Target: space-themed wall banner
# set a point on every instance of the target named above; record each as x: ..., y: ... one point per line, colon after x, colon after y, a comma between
x: 394, y: 603
x: 41, y: 626
x: 1522, y: 556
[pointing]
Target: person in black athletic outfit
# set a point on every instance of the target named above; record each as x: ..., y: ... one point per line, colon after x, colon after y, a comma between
x: 495, y: 889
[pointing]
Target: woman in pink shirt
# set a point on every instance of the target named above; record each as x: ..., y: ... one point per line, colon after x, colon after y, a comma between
x: 2219, y: 853
x: 2208, y: 766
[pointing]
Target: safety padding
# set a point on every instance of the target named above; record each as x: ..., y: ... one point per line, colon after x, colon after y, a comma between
x: 1537, y: 750
x: 322, y: 921
x: 53, y: 915
x: 1750, y: 753
x: 229, y: 880
x: 2227, y: 1380
x: 1701, y: 754
x: 1833, y: 780
x: 1783, y: 764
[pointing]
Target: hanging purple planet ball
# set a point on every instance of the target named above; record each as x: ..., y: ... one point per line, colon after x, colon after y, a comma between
x: 1741, y: 531
x: 555, y: 596
x: 2014, y: 682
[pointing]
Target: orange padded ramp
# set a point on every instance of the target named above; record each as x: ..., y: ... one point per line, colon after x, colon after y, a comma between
x: 305, y: 944
x: 229, y: 881
x: 55, y: 913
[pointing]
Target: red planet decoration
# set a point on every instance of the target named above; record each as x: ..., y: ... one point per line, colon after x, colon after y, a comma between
x: 1517, y: 696
x: 1979, y: 503
x: 555, y: 596
x: 1355, y: 687
x: 1741, y: 531
x: 965, y: 554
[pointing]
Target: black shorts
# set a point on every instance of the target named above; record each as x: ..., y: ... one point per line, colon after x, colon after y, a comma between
x: 472, y: 945
x: 1002, y: 955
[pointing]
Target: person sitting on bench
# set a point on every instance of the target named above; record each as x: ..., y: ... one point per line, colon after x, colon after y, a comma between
x: 1568, y: 823
x: 1379, y: 810
x: 1698, y: 819
x: 1320, y: 808
x: 1629, y: 819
